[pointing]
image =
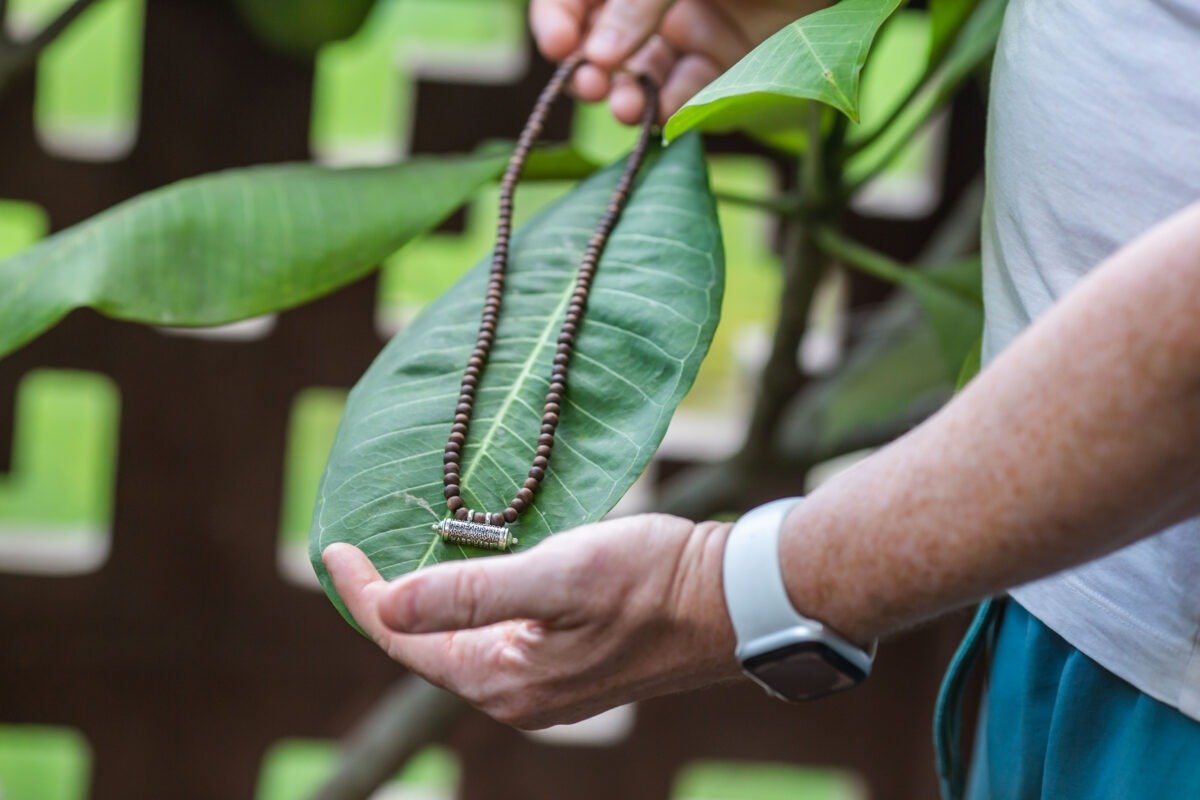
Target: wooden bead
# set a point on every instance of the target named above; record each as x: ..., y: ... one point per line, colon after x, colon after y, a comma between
x: 454, y: 504
x: 451, y: 491
x: 453, y: 447
x: 464, y: 408
x: 460, y: 513
x: 458, y: 427
x: 458, y: 438
x: 537, y: 473
x: 450, y: 457
x: 550, y: 418
x: 554, y: 397
x: 497, y: 519
x: 541, y: 461
x: 480, y: 517
x: 461, y: 418
x: 545, y: 439
x: 525, y: 495
x: 510, y: 514
x: 551, y: 407
x: 543, y: 450
x: 517, y: 505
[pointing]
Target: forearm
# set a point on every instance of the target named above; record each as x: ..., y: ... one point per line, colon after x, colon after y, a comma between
x: 1082, y: 437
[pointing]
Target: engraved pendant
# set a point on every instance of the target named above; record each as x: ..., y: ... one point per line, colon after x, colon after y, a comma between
x: 475, y: 534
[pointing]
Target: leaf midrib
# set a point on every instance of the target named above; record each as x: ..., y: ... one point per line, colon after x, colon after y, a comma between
x: 526, y: 371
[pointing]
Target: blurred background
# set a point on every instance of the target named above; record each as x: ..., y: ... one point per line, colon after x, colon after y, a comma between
x: 161, y: 631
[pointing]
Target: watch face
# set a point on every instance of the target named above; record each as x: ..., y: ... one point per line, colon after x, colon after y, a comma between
x: 804, y: 671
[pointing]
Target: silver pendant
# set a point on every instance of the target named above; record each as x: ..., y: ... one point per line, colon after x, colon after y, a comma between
x: 475, y: 534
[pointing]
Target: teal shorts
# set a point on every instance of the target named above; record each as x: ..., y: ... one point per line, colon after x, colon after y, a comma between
x: 1055, y: 724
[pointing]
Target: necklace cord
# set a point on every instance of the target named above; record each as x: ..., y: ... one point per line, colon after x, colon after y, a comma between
x: 452, y: 456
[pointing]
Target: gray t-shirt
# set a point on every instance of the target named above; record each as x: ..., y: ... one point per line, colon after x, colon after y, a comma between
x: 1094, y: 137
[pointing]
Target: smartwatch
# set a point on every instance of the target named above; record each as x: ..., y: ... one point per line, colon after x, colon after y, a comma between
x: 790, y: 655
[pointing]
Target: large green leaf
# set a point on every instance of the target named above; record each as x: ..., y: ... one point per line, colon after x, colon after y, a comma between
x: 817, y: 57
x: 232, y: 245
x: 651, y: 315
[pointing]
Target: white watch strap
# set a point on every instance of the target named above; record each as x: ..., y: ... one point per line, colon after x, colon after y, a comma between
x: 755, y: 595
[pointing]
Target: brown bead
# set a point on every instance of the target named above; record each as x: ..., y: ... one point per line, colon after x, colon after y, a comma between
x: 497, y: 519
x: 453, y: 447
x: 569, y: 327
x: 450, y: 457
x: 448, y: 468
x: 458, y: 438
x: 517, y: 505
x: 458, y: 427
x: 548, y: 428
x: 525, y: 495
x: 454, y: 504
x: 543, y: 450
x: 463, y: 408
x: 531, y: 484
x: 451, y: 491
x: 546, y: 439
x: 554, y: 397
x: 511, y: 514
x: 537, y: 473
x: 480, y: 517
x: 541, y: 461
x: 460, y: 513
x: 549, y: 418
x: 475, y: 361
x: 551, y: 407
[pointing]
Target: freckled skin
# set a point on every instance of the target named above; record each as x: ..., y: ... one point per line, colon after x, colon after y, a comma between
x: 1080, y: 438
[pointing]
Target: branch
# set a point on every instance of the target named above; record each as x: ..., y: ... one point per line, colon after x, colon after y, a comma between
x: 410, y: 716
x: 16, y: 55
x: 861, y: 257
x: 785, y: 205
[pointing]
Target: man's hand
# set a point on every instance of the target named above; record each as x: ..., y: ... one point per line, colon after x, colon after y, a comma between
x: 683, y: 44
x: 585, y: 621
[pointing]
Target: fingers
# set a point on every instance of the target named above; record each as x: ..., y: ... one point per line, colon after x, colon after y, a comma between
x: 690, y: 75
x: 701, y: 28
x: 622, y: 27
x: 475, y: 593
x: 656, y: 60
x: 359, y: 585
x: 558, y: 26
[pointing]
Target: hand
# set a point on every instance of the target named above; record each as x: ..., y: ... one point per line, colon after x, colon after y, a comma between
x: 682, y: 44
x: 587, y: 620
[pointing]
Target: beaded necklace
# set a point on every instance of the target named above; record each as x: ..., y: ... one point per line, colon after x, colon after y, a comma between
x: 490, y: 530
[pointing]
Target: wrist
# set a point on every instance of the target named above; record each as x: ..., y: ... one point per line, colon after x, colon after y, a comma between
x: 699, y: 602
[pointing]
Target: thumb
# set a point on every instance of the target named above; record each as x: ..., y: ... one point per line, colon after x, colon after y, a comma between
x: 475, y: 593
x: 621, y: 28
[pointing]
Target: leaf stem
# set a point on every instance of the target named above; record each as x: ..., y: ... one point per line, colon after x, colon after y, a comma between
x: 861, y: 257
x: 785, y: 205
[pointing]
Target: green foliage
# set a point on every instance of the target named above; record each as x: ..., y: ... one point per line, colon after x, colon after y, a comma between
x: 301, y: 27
x: 651, y: 315
x: 232, y: 245
x: 817, y: 57
x: 946, y: 19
